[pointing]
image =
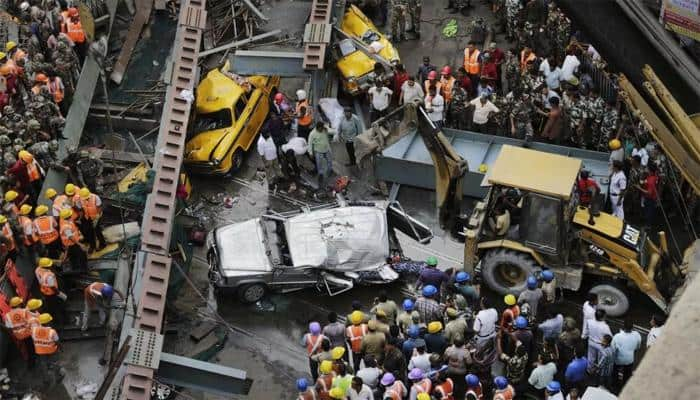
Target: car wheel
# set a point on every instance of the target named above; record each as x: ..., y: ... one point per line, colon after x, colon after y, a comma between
x: 161, y: 391
x: 612, y: 299
x: 252, y: 293
x: 506, y: 272
x: 237, y: 160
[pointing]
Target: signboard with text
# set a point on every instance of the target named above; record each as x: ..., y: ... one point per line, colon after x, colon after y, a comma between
x: 682, y: 17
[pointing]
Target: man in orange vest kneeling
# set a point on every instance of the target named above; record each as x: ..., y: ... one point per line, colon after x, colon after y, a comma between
x: 97, y: 294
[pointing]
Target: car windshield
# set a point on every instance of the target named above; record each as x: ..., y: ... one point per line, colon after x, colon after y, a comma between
x: 370, y: 36
x: 212, y: 121
x: 346, y: 47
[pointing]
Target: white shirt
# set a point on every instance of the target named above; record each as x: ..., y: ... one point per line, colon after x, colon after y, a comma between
x: 297, y: 144
x: 542, y: 375
x: 435, y: 106
x: 365, y: 393
x: 369, y: 376
x: 618, y: 183
x: 380, y: 99
x: 557, y: 396
x: 267, y: 149
x: 588, y: 311
x: 570, y: 66
x: 481, y: 111
x: 653, y: 335
x: 594, y: 330
x: 618, y: 155
x: 549, y: 96
x: 544, y: 67
x: 553, y: 77
x: 421, y: 361
x: 642, y: 153
x: 485, y: 322
x: 625, y: 345
x: 412, y: 93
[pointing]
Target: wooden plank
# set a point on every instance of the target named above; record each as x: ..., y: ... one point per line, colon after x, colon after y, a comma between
x: 142, y: 16
x: 202, y: 330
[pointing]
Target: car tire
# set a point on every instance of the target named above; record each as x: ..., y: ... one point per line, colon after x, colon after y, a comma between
x: 611, y: 298
x: 252, y: 292
x: 237, y: 160
x: 506, y: 272
x: 160, y: 391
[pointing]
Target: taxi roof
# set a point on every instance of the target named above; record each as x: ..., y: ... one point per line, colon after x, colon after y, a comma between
x: 216, y: 91
x: 535, y: 171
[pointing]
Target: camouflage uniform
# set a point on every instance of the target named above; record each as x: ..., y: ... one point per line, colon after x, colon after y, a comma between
x: 595, y: 111
x: 511, y: 73
x: 500, y: 119
x: 45, y: 153
x: 513, y: 8
x: 608, y: 126
x: 7, y: 116
x: 530, y: 83
x: 563, y: 33
x: 89, y: 169
x: 398, y: 19
x: 415, y: 8
x: 576, y: 114
x: 522, y: 118
x: 457, y: 111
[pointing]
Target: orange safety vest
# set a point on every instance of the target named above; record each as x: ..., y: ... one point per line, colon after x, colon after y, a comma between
x: 505, y: 394
x: 45, y: 229
x: 75, y: 32
x: 324, y: 383
x: 424, y: 386
x: 395, y: 391
x: 7, y: 232
x: 526, y: 60
x: 36, y: 89
x: 90, y: 208
x: 509, y: 315
x: 471, y: 61
x: 55, y: 89
x: 477, y: 392
x: 44, y: 344
x: 355, y: 333
x: 27, y: 230
x: 308, y: 395
x: 446, y: 88
x: 93, y: 287
x: 445, y: 390
x: 306, y: 119
x: 59, y: 203
x: 11, y: 208
x: 426, y: 86
x: 313, y: 343
x: 19, y: 55
x: 70, y: 235
x: 17, y: 320
x: 47, y: 281
x: 33, y: 171
x: 10, y: 68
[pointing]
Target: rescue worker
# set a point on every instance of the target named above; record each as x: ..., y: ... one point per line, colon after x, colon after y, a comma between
x: 393, y: 389
x: 73, y: 28
x: 305, y: 392
x: 9, y: 238
x: 34, y: 171
x: 432, y: 81
x: 471, y: 63
x: 62, y: 201
x: 435, y: 341
x: 404, y: 320
x: 324, y: 382
x: 18, y: 320
x: 26, y: 227
x: 474, y: 386
x: 40, y: 81
x: 447, y: 82
x: 427, y: 306
x: 587, y: 188
x: 373, y: 342
x: 304, y: 114
x: 444, y: 387
x: 97, y: 295
x: 463, y: 286
x: 10, y: 206
x: 45, y: 341
x: 89, y: 169
x: 14, y: 52
x: 90, y: 206
x: 502, y: 389
x: 431, y: 275
x: 549, y: 286
x: 46, y: 231
x: 419, y: 383
x: 456, y: 326
x: 511, y: 312
x: 521, y: 118
x: 57, y: 90
x: 415, y: 8
x: 354, y: 335
x: 48, y: 285
x: 312, y: 341
x: 398, y: 20
x: 71, y: 240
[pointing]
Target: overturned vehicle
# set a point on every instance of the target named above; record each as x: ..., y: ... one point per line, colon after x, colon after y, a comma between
x: 331, y: 248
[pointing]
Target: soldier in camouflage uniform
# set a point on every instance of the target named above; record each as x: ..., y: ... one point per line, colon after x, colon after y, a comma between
x: 513, y: 8
x: 563, y: 33
x: 46, y: 154
x: 44, y: 108
x: 521, y: 117
x: 89, y: 169
x: 34, y: 132
x: 511, y: 72
x: 67, y: 64
x: 608, y: 125
x: 501, y: 119
x: 575, y: 113
x: 415, y: 8
x: 398, y: 10
x: 457, y: 109
x: 8, y: 113
x: 595, y: 108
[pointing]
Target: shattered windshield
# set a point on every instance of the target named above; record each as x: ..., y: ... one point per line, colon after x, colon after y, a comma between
x: 346, y: 47
x: 212, y: 121
x: 370, y: 36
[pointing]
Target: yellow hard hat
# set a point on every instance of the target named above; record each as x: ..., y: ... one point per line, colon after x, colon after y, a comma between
x: 357, y: 317
x: 451, y: 312
x: 34, y: 304
x: 15, y: 301
x: 26, y: 209
x: 50, y: 193
x: 11, y: 195
x: 45, y: 262
x: 25, y: 156
x: 326, y: 366
x: 380, y: 312
x: 65, y: 213
x: 615, y: 144
x: 434, y: 327
x: 70, y: 189
x: 84, y: 193
x: 45, y: 318
x: 41, y: 210
x: 2, y: 55
x: 337, y: 393
x: 509, y: 300
x: 10, y: 45
x: 3, y: 219
x: 337, y: 352
x: 423, y: 396
x: 483, y: 168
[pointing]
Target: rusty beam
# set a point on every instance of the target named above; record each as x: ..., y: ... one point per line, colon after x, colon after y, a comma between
x: 143, y: 14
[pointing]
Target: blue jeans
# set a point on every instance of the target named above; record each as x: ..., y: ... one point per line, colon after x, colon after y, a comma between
x: 324, y: 164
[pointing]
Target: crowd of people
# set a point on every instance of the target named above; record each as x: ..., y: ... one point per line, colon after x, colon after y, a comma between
x: 451, y: 342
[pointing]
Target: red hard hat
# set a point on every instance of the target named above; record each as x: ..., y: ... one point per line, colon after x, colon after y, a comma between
x: 432, y: 75
x: 446, y: 70
x: 279, y: 97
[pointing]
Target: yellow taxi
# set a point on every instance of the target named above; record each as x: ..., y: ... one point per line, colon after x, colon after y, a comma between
x: 355, y: 65
x: 229, y: 112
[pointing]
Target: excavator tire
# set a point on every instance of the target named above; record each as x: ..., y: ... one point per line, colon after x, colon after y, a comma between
x: 612, y: 298
x: 506, y: 271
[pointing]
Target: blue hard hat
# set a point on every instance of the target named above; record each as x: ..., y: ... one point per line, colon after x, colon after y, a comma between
x: 520, y: 322
x: 472, y: 380
x: 408, y: 305
x: 107, y: 291
x: 501, y: 382
x: 413, y: 331
x: 462, y: 277
x: 531, y: 282
x: 429, y: 290
x: 547, y: 275
x: 302, y: 384
x: 554, y: 387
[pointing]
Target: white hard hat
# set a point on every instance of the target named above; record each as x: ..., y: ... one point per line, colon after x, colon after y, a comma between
x: 301, y: 94
x: 24, y: 6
